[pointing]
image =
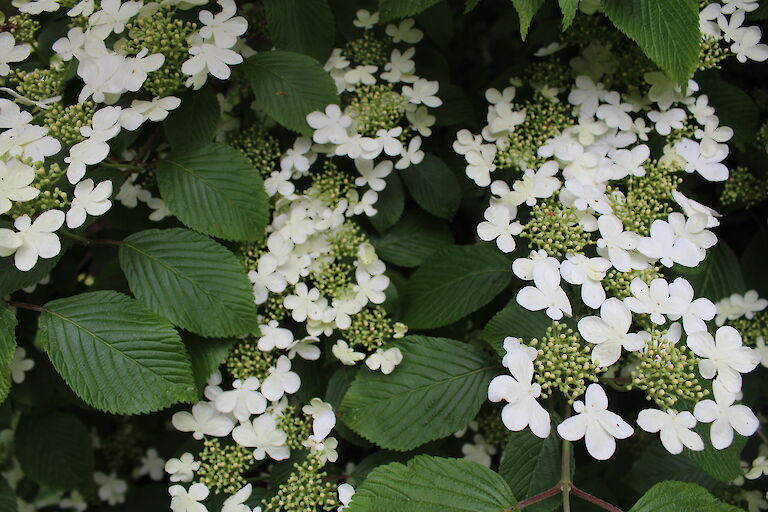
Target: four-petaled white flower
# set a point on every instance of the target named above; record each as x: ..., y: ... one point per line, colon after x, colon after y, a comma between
x: 89, y: 200
x: 346, y: 354
x: 20, y: 365
x: 546, y: 293
x: 330, y: 127
x: 36, y: 239
x: 11, y: 52
x: 371, y: 175
x: 111, y: 488
x: 281, y: 380
x: 188, y: 500
x: 273, y: 337
x: 15, y: 180
x: 618, y: 245
x: 204, y: 420
x: 610, y: 332
x: 587, y: 272
x: 152, y: 465
x: 724, y: 358
x: 654, y: 300
x: 675, y: 429
x: 264, y: 437
x: 499, y: 226
x: 596, y: 424
x: 422, y: 92
x: 522, y: 410
x: 666, y: 246
x: 386, y: 360
x: 243, y: 400
x: 183, y: 468
x: 725, y: 418
x: 236, y: 502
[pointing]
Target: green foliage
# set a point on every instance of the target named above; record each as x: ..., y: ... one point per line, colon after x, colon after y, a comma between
x: 516, y: 321
x: 188, y: 278
x: 7, y: 497
x: 394, y: 9
x: 718, y: 276
x: 680, y: 497
x: 667, y: 32
x: 302, y: 26
x: 215, y: 190
x: 531, y: 465
x: 734, y: 107
x: 568, y: 7
x: 433, y: 484
x: 117, y: 355
x: 390, y: 205
x: 434, y: 187
x: 55, y: 450
x: 288, y: 86
x: 206, y: 356
x: 414, y: 239
x: 193, y: 124
x: 7, y: 349
x: 435, y: 391
x: 13, y: 279
x: 526, y: 10
x: 454, y: 282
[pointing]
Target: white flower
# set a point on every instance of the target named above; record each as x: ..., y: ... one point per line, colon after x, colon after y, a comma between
x: 11, y: 52
x: 159, y: 209
x: 304, y: 348
x: 389, y: 142
x: 610, y: 332
x: 667, y: 120
x: 654, y: 300
x: 28, y: 141
x: 281, y: 380
x: 405, y: 32
x: 759, y: 468
x: 588, y: 273
x: 386, y: 360
x: 15, y: 178
x: 370, y: 288
x: 421, y: 120
x: 629, y: 162
x: 710, y: 135
x: 614, y: 112
x: 331, y: 126
x: 694, y: 312
x: 222, y: 29
x: 360, y: 75
x: 87, y: 152
x: 594, y: 422
x: 183, y: 468
x: 113, y: 15
x: 152, y: 465
x: 515, y: 350
x: 38, y: 238
x: 75, y: 501
x: 480, y: 164
x: 303, y: 303
x: 263, y: 435
x: 324, y: 449
x: 479, y: 450
x: 111, y: 489
x: 736, y: 306
x: 546, y: 293
x: 188, y: 501
x: 535, y: 185
x: 346, y: 492
x: 725, y: 418
x: 466, y: 142
x: 723, y: 357
x: 693, y: 229
x: 524, y: 267
x: 412, y: 155
x: 243, y: 400
x: 692, y: 208
x: 747, y: 45
x: 203, y: 420
x: 134, y: 72
x: 365, y: 20
x: 36, y: 6
x: 299, y: 157
x: 89, y: 200
x: 422, y: 92
x: 372, y: 176
x: 235, y: 503
x: 616, y: 244
x: 675, y: 429
x: 157, y: 109
x: 666, y: 246
x: 499, y: 226
x: 400, y: 66
x: 709, y: 167
x: 522, y: 410
x: 346, y: 354
x: 586, y: 94
x: 20, y: 365
x: 273, y: 337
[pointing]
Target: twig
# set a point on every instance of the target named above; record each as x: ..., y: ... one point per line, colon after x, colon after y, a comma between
x: 24, y: 305
x: 594, y: 499
x: 538, y: 497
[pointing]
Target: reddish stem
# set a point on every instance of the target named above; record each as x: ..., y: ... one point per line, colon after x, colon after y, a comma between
x: 24, y: 305
x: 538, y: 497
x: 594, y: 499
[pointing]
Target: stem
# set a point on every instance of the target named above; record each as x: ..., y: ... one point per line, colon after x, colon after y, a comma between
x: 566, y: 466
x: 594, y: 499
x: 538, y: 497
x: 24, y: 305
x: 74, y: 236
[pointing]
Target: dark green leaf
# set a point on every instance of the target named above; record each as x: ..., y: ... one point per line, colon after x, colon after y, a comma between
x: 733, y: 107
x: 395, y: 9
x: 718, y: 276
x: 413, y: 239
x: 7, y: 349
x: 193, y: 124
x: 515, y: 321
x: 390, y: 205
x: 531, y: 465
x: 753, y: 262
x: 302, y: 26
x: 434, y: 187
x: 206, y: 355
x: 7, y: 497
x: 655, y: 464
x: 568, y: 7
x: 13, y: 279
x: 680, y: 497
x: 526, y: 10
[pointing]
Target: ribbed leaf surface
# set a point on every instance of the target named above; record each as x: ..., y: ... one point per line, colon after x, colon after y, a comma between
x: 191, y: 280
x: 531, y: 465
x: 303, y: 26
x: 435, y: 391
x: 680, y: 497
x: 7, y: 349
x: 117, y: 355
x: 515, y: 321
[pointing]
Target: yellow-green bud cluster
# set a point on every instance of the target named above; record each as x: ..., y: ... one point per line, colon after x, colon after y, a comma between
x: 667, y: 372
x: 711, y: 53
x: 376, y: 107
x: 563, y: 362
x: 297, y: 427
x: 262, y: 149
x: 162, y: 33
x: 647, y: 198
x: 549, y: 73
x: 64, y: 123
x: 305, y: 490
x: 368, y: 50
x: 617, y: 283
x: 687, y: 131
x: 346, y: 240
x: 556, y: 229
x: 543, y: 119
x: 333, y: 278
x: 743, y: 187
x: 371, y: 328
x: 23, y: 27
x: 39, y: 84
x: 489, y: 426
x: 50, y: 196
x: 331, y: 185
x: 250, y: 253
x: 761, y: 139
x: 751, y: 329
x: 246, y: 360
x: 273, y: 308
x: 222, y: 466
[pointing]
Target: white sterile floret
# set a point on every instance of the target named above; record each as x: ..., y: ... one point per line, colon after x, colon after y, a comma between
x: 524, y: 267
x: 204, y: 420
x: 479, y: 450
x: 111, y: 489
x: 725, y: 418
x: 614, y: 112
x: 273, y: 337
x: 281, y: 380
x: 723, y: 357
x: 243, y: 400
x: 480, y: 164
x: 346, y: 354
x: 89, y: 200
x: 710, y: 168
x: 692, y: 208
x: 34, y: 240
x: 466, y: 141
x: 11, y: 52
x: 618, y: 245
x: 15, y: 181
x: 223, y: 29
x: 694, y: 229
x: 423, y: 91
x: 236, y: 502
x: 263, y: 435
x: 385, y: 360
x: 28, y: 141
x: 346, y: 492
x: 675, y: 429
x: 539, y: 184
x: 587, y: 95
x: 183, y: 468
x: 627, y: 162
x: 693, y: 312
x: 513, y: 350
x: 305, y: 348
x: 208, y: 58
x: 303, y: 303
x: 522, y: 409
x: 299, y: 157
x: 113, y: 15
x: 360, y: 75
x: 746, y: 45
x: 370, y: 288
x: 151, y: 465
x: 667, y: 247
x: 331, y: 126
x: 596, y: 424
x: 499, y: 226
x: 667, y: 120
x: 421, y: 120
x: 400, y: 66
x: 365, y: 19
x: 654, y: 300
x: 20, y: 365
x: 588, y: 273
x: 389, y: 142
x: 546, y: 293
x: 405, y: 32
x: 610, y: 332
x: 412, y: 155
x: 712, y: 134
x: 188, y: 500
x: 372, y: 175
x: 502, y: 121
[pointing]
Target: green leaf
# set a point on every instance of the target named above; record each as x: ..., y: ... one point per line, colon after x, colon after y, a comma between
x: 434, y: 187
x: 7, y: 349
x: 568, y: 8
x: 214, y: 189
x: 193, y: 124
x: 395, y: 9
x: 288, y: 86
x: 390, y: 205
x: 433, y: 484
x: 303, y: 26
x: 206, y: 355
x: 718, y: 276
x: 435, y: 391
x: 680, y: 497
x: 186, y: 277
x: 733, y: 106
x: 7, y: 497
x: 13, y: 279
x: 723, y: 465
x: 414, y: 239
x: 531, y: 465
x: 469, y: 5
x: 454, y: 282
x: 526, y: 10
x: 753, y: 264
x: 115, y: 354
x: 55, y: 450
x: 667, y: 32
x: 655, y: 464
x: 515, y: 321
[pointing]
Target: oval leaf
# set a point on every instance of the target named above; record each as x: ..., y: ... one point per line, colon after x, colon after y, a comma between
x: 304, y: 26
x: 414, y: 239
x: 434, y: 187
x: 194, y: 122
x: 680, y: 497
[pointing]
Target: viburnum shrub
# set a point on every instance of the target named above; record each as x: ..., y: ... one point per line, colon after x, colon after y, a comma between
x: 405, y: 256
